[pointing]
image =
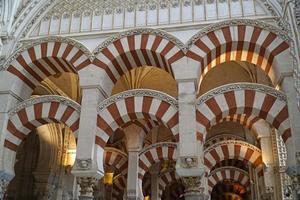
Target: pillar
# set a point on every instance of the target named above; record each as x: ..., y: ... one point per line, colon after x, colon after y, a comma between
x: 134, y: 143
x: 190, y: 165
x: 293, y: 144
x: 154, y: 172
x: 88, y: 167
x: 264, y: 134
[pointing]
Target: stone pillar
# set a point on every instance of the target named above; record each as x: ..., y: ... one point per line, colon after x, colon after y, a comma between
x: 293, y: 144
x: 264, y: 133
x: 88, y: 166
x: 154, y: 171
x: 190, y: 165
x: 134, y: 142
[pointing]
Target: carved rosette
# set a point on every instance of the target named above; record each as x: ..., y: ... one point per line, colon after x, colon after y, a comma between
x: 86, y: 185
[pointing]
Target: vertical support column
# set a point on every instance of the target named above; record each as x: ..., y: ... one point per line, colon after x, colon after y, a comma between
x: 190, y: 165
x: 264, y: 133
x: 154, y: 171
x: 7, y: 157
x: 134, y: 142
x: 293, y: 143
x: 88, y: 167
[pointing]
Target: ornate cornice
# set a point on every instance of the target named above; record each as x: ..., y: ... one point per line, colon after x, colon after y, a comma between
x: 235, y: 22
x: 159, y: 144
x: 235, y: 142
x: 137, y: 93
x: 241, y: 86
x: 30, y: 43
x: 44, y: 99
x: 297, y: 13
x: 139, y: 31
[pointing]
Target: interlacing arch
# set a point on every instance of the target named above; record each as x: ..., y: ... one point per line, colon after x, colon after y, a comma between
x: 243, y: 98
x: 239, y: 40
x: 234, y: 149
x: 228, y: 173
x: 154, y: 154
x: 34, y: 62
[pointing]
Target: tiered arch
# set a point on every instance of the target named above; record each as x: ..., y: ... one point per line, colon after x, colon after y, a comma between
x: 240, y: 40
x: 34, y: 62
x: 115, y: 159
x: 137, y: 48
x: 166, y: 179
x: 234, y: 149
x: 153, y: 154
x: 243, y: 98
x: 232, y: 173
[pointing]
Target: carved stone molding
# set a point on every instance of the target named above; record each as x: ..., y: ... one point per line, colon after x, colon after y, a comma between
x: 24, y: 45
x: 44, y: 99
x: 241, y: 86
x: 138, y: 93
x: 235, y: 22
x: 139, y: 31
x: 83, y: 164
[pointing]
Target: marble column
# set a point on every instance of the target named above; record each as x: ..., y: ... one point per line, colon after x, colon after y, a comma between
x: 134, y: 143
x: 154, y: 172
x: 88, y: 167
x: 264, y: 134
x: 293, y: 144
x: 190, y: 163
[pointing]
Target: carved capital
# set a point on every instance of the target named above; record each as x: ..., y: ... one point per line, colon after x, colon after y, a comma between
x: 86, y: 185
x: 192, y: 184
x: 3, y: 186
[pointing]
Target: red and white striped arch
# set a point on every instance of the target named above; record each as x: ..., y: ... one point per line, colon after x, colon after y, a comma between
x: 136, y: 48
x: 46, y: 58
x: 245, y: 120
x: 166, y: 179
x: 115, y: 159
x: 34, y: 112
x: 132, y: 105
x: 233, y: 149
x: 118, y: 187
x: 154, y: 154
x: 228, y: 173
x: 242, y: 42
x: 145, y: 124
x: 244, y: 98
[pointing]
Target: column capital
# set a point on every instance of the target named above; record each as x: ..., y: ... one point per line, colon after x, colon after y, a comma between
x: 4, y: 181
x: 193, y: 190
x: 86, y: 187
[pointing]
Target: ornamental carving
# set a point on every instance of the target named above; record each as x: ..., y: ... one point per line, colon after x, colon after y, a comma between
x: 241, y: 86
x: 44, y: 99
x: 86, y: 185
x: 83, y: 164
x: 192, y: 184
x: 137, y: 93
